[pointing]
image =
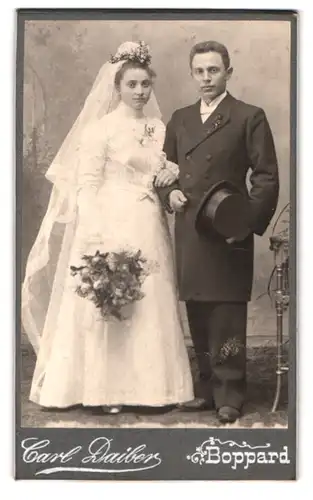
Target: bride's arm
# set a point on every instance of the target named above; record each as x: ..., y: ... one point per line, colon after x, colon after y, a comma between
x: 168, y: 171
x: 92, y: 156
x: 170, y: 149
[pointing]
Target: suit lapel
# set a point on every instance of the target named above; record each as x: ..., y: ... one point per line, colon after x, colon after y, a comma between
x: 198, y: 132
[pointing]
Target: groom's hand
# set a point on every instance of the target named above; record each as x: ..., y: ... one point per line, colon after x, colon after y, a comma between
x: 177, y: 200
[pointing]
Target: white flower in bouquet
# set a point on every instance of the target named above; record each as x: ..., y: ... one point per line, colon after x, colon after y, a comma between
x: 96, y: 259
x: 85, y: 272
x: 119, y: 275
x: 123, y: 302
x: 85, y: 287
x: 111, y: 262
x: 98, y: 284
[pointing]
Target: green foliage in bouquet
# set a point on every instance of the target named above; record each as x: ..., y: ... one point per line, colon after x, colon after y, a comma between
x: 111, y: 280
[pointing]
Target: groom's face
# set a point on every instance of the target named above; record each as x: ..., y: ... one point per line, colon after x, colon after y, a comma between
x: 210, y: 75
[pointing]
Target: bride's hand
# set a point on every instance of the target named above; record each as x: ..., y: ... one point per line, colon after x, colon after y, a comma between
x: 164, y: 178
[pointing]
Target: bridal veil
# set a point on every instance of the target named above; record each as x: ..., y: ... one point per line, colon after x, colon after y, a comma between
x: 48, y: 259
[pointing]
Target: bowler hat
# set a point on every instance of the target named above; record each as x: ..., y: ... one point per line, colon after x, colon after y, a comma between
x: 224, y: 209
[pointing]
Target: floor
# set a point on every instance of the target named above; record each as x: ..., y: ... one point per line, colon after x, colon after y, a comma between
x: 261, y: 367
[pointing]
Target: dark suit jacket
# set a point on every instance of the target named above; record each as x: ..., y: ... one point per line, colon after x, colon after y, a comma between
x: 234, y: 139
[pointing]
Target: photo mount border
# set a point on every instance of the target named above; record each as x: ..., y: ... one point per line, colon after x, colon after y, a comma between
x: 183, y: 440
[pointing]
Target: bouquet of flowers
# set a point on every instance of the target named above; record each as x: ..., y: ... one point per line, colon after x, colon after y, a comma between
x: 111, y: 280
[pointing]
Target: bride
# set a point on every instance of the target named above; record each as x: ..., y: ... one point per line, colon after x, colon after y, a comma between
x: 103, y: 199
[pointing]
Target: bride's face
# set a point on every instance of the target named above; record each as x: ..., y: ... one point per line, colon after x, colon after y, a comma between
x: 135, y: 88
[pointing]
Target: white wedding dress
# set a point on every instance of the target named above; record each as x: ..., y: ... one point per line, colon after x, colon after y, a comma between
x: 142, y: 360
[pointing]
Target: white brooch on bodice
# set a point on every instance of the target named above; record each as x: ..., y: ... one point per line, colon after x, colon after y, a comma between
x: 148, y: 135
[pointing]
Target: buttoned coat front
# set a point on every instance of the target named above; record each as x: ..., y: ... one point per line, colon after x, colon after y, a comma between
x: 235, y: 140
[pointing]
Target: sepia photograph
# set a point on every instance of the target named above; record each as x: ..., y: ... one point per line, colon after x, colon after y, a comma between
x: 155, y: 223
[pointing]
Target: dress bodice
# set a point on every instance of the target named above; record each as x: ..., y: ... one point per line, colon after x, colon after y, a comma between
x: 121, y: 149
x: 133, y: 150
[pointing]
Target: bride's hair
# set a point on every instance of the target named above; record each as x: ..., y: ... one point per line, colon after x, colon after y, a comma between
x: 132, y: 65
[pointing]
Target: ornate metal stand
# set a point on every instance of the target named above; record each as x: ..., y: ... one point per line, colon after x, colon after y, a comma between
x: 280, y: 247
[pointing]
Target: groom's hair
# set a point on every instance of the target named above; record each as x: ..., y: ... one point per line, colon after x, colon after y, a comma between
x: 210, y: 46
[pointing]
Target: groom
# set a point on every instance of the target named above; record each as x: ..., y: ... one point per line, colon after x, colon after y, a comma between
x: 219, y: 138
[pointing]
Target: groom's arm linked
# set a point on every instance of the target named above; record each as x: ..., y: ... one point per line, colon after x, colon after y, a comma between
x: 170, y: 149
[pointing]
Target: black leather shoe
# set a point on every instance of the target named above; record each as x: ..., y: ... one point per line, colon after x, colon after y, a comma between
x: 227, y: 414
x: 197, y: 404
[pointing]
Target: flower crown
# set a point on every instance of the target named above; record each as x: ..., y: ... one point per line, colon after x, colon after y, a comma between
x: 139, y: 54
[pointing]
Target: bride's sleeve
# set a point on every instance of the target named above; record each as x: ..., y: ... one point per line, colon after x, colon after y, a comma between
x: 92, y: 158
x: 160, y: 138
x: 159, y: 133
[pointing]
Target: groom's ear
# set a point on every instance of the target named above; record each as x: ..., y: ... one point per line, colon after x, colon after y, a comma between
x: 229, y: 72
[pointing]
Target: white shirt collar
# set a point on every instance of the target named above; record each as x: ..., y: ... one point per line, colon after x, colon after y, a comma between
x: 208, y: 108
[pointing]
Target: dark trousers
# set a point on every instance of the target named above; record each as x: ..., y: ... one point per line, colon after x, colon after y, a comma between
x: 218, y: 331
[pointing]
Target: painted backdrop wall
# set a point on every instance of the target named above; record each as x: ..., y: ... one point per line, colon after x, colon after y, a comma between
x: 62, y: 59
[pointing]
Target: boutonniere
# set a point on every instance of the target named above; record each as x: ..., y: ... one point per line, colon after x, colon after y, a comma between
x: 216, y: 123
x: 148, y: 134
